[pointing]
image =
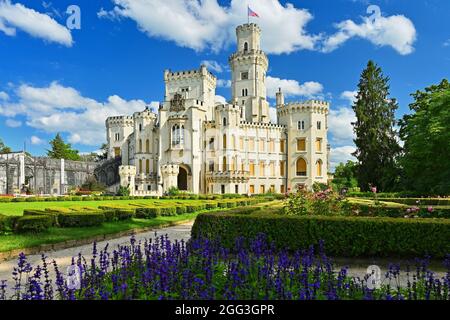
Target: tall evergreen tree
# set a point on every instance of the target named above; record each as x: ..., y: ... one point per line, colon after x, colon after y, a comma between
x: 426, y: 133
x: 377, y: 148
x: 62, y: 150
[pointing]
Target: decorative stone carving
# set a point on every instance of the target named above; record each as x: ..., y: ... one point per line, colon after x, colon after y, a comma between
x: 177, y: 103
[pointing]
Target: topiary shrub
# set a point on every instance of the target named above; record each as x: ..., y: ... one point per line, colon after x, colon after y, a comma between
x: 33, y: 224
x: 343, y: 236
x: 168, y: 211
x: 82, y: 219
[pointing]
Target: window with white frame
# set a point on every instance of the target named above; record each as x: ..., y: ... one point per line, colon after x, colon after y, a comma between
x: 301, y: 125
x: 177, y: 135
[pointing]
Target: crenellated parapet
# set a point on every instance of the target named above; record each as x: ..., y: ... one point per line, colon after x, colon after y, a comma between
x: 195, y: 74
x: 119, y: 121
x: 314, y: 106
x: 259, y: 125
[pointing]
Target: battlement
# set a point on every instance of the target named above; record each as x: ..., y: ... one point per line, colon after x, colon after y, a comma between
x: 146, y: 114
x: 248, y: 27
x: 189, y: 74
x: 120, y: 121
x: 318, y: 106
x: 269, y: 125
x: 227, y: 106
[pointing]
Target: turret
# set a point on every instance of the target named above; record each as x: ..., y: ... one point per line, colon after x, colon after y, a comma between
x: 280, y: 98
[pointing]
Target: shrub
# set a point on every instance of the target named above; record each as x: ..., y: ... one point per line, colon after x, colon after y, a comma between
x: 33, y: 224
x: 4, y: 199
x: 168, y: 211
x: 18, y: 199
x: 211, y: 206
x: 118, y: 214
x: 48, y: 213
x: 222, y: 205
x: 231, y: 204
x: 343, y: 236
x: 82, y: 219
x: 148, y: 213
x: 181, y: 209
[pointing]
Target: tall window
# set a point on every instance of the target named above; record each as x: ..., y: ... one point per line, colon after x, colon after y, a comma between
x: 241, y: 144
x: 301, y: 144
x: 177, y: 135
x: 319, y: 125
x: 245, y: 46
x: 301, y: 125
x: 211, y: 166
x: 117, y: 136
x: 282, y: 166
x: 301, y: 167
x: 232, y: 164
x: 224, y: 164
x: 261, y: 145
x: 116, y: 152
x: 244, y: 92
x: 252, y: 169
x: 319, y: 168
x: 147, y: 166
x: 252, y: 189
x: 233, y: 142
x: 224, y: 141
x: 251, y: 144
x: 261, y: 168
x: 224, y: 122
x: 262, y: 189
x: 147, y: 146
x: 271, y: 145
x: 318, y: 144
x: 140, y: 166
x: 272, y: 169
x: 211, y: 144
x: 140, y: 146
x: 282, y: 145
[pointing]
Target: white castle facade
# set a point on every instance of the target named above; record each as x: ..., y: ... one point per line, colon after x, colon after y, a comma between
x: 201, y: 146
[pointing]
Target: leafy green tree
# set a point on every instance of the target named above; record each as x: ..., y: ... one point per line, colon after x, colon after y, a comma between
x: 426, y: 134
x: 104, y: 153
x: 377, y: 148
x: 62, y: 150
x: 123, y: 191
x: 4, y: 148
x: 344, y: 175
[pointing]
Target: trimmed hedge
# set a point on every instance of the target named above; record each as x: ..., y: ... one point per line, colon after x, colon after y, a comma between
x: 181, y: 209
x: 168, y: 211
x: 419, y: 201
x: 47, y: 213
x: 148, y: 213
x: 400, y: 212
x: 118, y: 215
x: 343, y: 236
x: 85, y: 219
x: 33, y: 224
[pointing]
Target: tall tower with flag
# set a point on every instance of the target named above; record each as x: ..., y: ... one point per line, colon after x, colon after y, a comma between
x: 249, y: 66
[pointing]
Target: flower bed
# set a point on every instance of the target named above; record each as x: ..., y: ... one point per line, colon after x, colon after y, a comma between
x: 204, y: 270
x: 344, y: 236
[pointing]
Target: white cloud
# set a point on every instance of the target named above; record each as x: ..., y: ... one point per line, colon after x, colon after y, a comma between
x: 292, y: 88
x: 220, y: 99
x: 202, y: 24
x: 350, y: 96
x: 221, y: 83
x: 340, y: 125
x: 213, y: 65
x: 446, y: 43
x: 341, y: 154
x: 39, y: 25
x: 13, y: 123
x: 63, y: 109
x: 396, y: 31
x: 36, y: 140
x: 4, y: 95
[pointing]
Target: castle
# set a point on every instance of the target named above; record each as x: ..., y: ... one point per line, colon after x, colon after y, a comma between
x: 199, y: 145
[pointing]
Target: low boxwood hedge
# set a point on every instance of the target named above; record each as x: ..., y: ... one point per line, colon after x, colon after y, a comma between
x: 148, y: 213
x: 33, y: 224
x: 181, y: 209
x: 343, y: 236
x: 118, y: 214
x: 419, y: 201
x: 84, y: 219
x: 168, y: 211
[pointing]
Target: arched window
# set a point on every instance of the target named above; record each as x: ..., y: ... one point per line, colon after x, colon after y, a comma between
x: 224, y: 164
x: 177, y: 135
x: 224, y: 141
x: 233, y: 142
x: 224, y: 122
x: 147, y: 146
x: 140, y: 146
x: 301, y: 167
x: 319, y: 168
x: 232, y: 164
x: 245, y: 46
x: 140, y: 165
x: 147, y: 166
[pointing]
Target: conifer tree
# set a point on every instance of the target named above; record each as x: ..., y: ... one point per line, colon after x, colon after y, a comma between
x: 377, y: 148
x: 62, y: 150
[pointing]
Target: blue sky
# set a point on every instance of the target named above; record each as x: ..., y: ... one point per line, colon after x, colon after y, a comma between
x: 54, y: 79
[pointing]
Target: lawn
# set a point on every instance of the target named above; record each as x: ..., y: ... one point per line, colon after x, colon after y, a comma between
x: 16, y: 208
x: 56, y: 235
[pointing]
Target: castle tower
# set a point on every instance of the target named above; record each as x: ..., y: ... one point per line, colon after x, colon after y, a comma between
x: 249, y: 65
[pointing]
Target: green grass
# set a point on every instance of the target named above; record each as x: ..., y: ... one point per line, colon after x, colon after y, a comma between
x: 56, y: 235
x: 16, y: 208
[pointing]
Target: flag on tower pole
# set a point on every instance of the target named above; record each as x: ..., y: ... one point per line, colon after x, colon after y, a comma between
x: 251, y: 13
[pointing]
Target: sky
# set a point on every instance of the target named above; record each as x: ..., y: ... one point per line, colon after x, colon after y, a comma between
x: 62, y: 74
